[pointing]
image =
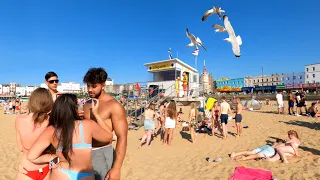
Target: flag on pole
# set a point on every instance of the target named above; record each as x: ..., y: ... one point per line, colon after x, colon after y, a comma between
x: 196, y: 52
x: 170, y: 53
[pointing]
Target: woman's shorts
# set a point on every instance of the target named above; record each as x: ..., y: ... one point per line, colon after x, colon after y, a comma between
x: 238, y: 118
x: 148, y: 124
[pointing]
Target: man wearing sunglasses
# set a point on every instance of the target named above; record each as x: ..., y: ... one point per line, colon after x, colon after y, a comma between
x: 52, y: 83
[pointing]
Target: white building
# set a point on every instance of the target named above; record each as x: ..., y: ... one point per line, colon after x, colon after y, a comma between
x: 0, y: 88
x: 70, y: 87
x: 165, y: 72
x: 265, y: 80
x: 12, y: 86
x: 5, y: 89
x: 206, y: 82
x: 109, y: 85
x: 30, y: 89
x: 20, y: 91
x: 312, y: 73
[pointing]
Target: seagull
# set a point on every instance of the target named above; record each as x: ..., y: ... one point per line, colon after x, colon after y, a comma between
x: 215, y: 9
x: 235, y: 41
x: 194, y: 41
x: 219, y: 28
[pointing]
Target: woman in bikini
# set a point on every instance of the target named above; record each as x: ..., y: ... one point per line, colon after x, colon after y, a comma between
x: 160, y: 118
x: 72, y: 139
x: 193, y: 121
x: 148, y: 124
x: 28, y: 129
x: 289, y: 149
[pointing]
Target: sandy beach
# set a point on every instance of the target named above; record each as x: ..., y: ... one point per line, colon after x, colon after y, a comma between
x: 184, y: 160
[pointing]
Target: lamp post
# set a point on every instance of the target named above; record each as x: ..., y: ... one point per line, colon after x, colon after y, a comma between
x: 262, y: 80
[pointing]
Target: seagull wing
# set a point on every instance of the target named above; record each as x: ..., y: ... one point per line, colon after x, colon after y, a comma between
x: 202, y: 46
x: 191, y: 37
x: 227, y: 26
x: 217, y: 9
x: 219, y: 28
x: 208, y: 13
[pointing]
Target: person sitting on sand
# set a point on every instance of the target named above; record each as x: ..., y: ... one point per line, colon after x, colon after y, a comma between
x: 260, y: 152
x: 289, y: 149
x: 28, y: 129
x: 313, y: 110
x: 148, y: 124
x: 72, y: 139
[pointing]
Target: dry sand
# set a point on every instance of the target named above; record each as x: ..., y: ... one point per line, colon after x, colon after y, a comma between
x: 187, y: 161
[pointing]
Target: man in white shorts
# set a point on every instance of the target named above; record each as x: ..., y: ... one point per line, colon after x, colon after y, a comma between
x: 280, y: 102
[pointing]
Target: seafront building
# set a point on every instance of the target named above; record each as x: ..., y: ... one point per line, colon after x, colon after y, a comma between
x: 312, y: 73
x: 227, y: 84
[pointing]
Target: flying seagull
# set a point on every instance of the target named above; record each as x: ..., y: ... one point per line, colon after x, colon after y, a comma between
x: 235, y: 41
x: 219, y: 28
x: 194, y: 41
x: 215, y: 9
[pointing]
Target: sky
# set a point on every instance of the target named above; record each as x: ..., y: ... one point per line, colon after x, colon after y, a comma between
x: 69, y: 37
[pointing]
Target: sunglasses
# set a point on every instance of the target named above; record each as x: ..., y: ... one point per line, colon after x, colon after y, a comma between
x: 52, y: 81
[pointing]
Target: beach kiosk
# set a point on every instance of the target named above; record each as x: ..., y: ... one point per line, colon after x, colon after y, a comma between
x: 164, y: 74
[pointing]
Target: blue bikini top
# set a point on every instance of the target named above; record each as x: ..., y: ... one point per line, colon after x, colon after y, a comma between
x: 82, y: 144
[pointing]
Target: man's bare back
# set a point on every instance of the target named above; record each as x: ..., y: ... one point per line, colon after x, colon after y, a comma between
x: 225, y: 108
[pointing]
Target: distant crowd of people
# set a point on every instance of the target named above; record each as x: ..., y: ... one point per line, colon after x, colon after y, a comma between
x: 299, y: 98
x: 12, y: 106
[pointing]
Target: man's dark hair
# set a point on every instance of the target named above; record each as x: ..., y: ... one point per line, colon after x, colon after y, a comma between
x: 223, y: 98
x: 50, y: 75
x: 95, y: 76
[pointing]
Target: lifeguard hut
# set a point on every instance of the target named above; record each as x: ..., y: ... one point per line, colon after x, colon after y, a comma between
x: 164, y: 74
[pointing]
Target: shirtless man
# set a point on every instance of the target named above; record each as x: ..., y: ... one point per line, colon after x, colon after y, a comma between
x: 105, y: 165
x: 238, y: 117
x: 223, y: 114
x: 52, y: 83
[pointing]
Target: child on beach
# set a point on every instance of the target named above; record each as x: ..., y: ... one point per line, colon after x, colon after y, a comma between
x: 238, y: 117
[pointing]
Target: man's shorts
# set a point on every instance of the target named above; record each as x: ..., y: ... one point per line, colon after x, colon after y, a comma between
x: 291, y: 104
x: 185, y: 87
x: 102, y: 161
x: 224, y: 118
x: 266, y: 151
x: 281, y: 105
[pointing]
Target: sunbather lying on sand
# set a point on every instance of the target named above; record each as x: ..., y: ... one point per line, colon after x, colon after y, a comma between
x: 289, y: 149
x: 260, y: 152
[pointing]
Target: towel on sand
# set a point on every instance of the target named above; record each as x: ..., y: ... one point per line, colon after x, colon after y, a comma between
x: 242, y: 173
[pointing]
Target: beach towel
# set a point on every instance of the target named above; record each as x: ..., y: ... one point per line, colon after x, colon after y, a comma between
x: 242, y: 173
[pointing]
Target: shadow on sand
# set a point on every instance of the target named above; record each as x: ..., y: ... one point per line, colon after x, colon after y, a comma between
x: 311, y: 125
x: 185, y: 135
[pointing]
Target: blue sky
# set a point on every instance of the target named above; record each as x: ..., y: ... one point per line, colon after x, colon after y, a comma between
x: 69, y: 37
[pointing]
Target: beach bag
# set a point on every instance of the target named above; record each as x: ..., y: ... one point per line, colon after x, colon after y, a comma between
x: 243, y: 173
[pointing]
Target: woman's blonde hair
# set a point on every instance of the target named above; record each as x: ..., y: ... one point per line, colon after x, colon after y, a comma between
x: 294, y: 133
x: 40, y: 104
x: 172, y: 110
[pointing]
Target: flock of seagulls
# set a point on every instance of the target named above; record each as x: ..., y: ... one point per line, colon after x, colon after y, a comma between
x: 235, y: 41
